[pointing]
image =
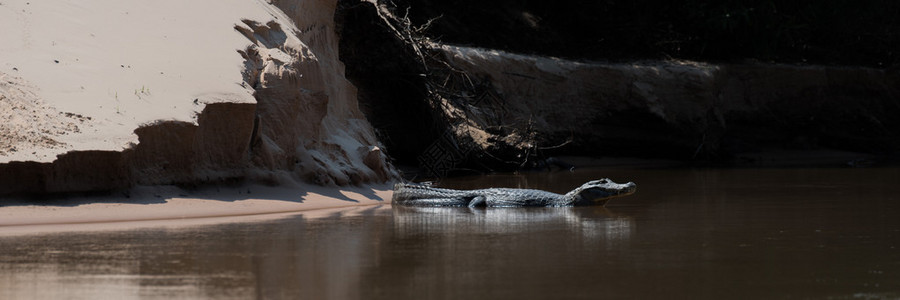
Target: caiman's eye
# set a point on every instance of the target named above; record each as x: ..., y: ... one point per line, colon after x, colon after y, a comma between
x: 604, y: 181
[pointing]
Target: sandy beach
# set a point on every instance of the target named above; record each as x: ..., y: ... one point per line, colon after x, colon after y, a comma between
x: 93, y: 72
x: 170, y: 206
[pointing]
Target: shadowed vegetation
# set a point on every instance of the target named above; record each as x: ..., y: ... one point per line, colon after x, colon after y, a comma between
x: 822, y: 32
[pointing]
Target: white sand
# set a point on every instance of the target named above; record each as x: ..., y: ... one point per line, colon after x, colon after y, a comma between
x: 122, y: 64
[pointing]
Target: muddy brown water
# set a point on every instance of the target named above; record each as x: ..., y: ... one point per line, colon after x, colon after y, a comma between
x: 685, y: 234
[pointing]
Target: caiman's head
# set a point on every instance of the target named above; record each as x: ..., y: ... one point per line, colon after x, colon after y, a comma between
x: 598, y: 192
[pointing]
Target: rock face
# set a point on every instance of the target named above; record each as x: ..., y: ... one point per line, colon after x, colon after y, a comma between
x: 302, y: 123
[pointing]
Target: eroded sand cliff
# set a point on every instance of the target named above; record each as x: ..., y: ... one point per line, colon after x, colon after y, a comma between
x: 106, y: 96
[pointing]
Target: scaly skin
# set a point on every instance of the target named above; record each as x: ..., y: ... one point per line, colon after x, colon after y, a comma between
x: 596, y: 192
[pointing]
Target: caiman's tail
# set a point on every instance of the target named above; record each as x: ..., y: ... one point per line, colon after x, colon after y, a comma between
x: 412, y: 191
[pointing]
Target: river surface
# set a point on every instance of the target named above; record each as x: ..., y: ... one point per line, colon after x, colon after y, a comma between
x: 686, y: 234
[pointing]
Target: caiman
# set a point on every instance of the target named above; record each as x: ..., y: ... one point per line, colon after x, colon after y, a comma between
x: 595, y: 192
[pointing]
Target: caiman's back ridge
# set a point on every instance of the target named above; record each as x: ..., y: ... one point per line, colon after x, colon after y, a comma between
x: 596, y: 192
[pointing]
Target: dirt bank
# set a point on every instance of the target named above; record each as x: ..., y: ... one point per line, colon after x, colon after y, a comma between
x: 488, y: 109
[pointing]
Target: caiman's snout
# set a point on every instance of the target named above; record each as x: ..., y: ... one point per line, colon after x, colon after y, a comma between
x: 611, y: 187
x: 600, y: 191
x: 628, y: 188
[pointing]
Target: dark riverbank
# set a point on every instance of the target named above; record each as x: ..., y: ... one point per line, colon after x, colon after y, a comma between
x: 481, y: 108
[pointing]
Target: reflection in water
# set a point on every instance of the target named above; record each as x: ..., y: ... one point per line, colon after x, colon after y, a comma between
x: 814, y: 233
x: 103, y: 266
x: 399, y: 250
x: 295, y: 257
x: 594, y: 223
x: 495, y: 253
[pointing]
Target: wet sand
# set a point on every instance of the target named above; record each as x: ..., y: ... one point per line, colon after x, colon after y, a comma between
x: 171, y: 206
